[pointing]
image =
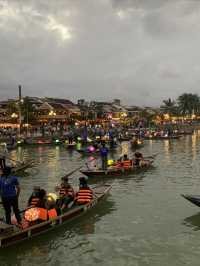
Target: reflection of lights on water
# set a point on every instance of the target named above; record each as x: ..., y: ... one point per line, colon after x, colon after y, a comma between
x: 194, y: 142
x: 166, y: 148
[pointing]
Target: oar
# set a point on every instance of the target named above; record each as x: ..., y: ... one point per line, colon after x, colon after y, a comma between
x: 70, y: 173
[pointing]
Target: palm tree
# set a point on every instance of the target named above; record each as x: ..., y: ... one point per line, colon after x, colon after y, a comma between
x: 189, y: 104
x: 169, y: 107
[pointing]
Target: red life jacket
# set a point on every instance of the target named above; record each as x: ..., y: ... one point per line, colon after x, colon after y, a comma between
x: 84, y: 196
x: 118, y: 165
x: 127, y: 164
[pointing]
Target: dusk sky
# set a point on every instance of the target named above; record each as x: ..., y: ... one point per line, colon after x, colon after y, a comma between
x: 141, y: 51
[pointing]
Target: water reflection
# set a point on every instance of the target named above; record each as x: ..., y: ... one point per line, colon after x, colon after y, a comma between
x: 193, y: 221
x: 194, y: 146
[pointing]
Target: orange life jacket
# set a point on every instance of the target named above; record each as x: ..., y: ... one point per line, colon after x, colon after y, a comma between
x: 35, y: 214
x: 84, y: 196
x: 52, y: 213
x: 127, y: 164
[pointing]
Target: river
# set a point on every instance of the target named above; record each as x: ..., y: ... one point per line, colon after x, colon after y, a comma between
x: 143, y: 221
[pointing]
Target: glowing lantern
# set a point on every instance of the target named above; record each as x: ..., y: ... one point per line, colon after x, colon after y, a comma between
x: 110, y: 162
x: 91, y: 149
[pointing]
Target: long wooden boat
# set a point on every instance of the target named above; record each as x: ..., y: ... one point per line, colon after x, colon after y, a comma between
x: 84, y: 152
x: 39, y: 142
x: 136, y: 145
x: 113, y: 172
x: 195, y: 199
x: 124, y: 138
x: 18, y: 235
x: 162, y: 137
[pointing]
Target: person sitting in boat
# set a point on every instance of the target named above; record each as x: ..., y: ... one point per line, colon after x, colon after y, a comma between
x: 85, y: 194
x: 66, y: 194
x: 126, y: 162
x: 139, y: 159
x: 37, y: 198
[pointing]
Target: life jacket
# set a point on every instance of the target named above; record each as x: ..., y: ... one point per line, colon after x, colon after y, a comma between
x: 118, y: 165
x: 35, y: 201
x: 52, y: 214
x: 84, y: 196
x: 127, y: 164
x: 35, y: 214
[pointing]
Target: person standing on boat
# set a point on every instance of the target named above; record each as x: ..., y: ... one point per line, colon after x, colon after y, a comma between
x: 9, y: 191
x: 104, y: 156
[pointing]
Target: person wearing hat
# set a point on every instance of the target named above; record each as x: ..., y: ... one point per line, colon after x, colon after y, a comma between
x: 9, y: 191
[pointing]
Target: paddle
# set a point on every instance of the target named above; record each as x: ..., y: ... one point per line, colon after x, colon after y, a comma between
x: 70, y: 173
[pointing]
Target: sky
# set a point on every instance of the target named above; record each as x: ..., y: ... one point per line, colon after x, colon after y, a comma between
x: 141, y: 51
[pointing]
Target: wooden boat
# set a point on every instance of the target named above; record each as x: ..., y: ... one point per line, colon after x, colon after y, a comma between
x: 125, y: 138
x: 162, y: 137
x: 39, y: 142
x: 195, y: 199
x: 136, y: 145
x: 113, y: 172
x: 85, y: 152
x: 15, y: 235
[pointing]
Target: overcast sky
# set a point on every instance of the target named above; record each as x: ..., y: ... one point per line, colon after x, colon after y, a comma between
x: 142, y: 51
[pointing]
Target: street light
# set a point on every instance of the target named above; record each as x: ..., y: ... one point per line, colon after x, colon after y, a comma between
x: 14, y: 115
x: 52, y: 113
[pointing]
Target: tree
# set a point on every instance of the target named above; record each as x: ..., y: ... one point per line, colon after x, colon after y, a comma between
x: 169, y: 107
x: 28, y: 111
x: 189, y: 104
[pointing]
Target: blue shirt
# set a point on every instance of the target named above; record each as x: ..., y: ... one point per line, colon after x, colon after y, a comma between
x: 104, y: 152
x: 8, y: 186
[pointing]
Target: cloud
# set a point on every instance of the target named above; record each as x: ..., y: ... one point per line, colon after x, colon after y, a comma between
x: 140, y: 51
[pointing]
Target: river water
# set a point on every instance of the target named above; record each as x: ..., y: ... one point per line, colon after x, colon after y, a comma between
x: 143, y: 221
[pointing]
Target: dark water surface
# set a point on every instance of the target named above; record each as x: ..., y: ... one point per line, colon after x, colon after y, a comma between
x: 144, y: 220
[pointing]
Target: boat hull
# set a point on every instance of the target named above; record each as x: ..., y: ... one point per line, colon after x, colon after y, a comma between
x: 195, y: 199
x: 113, y: 172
